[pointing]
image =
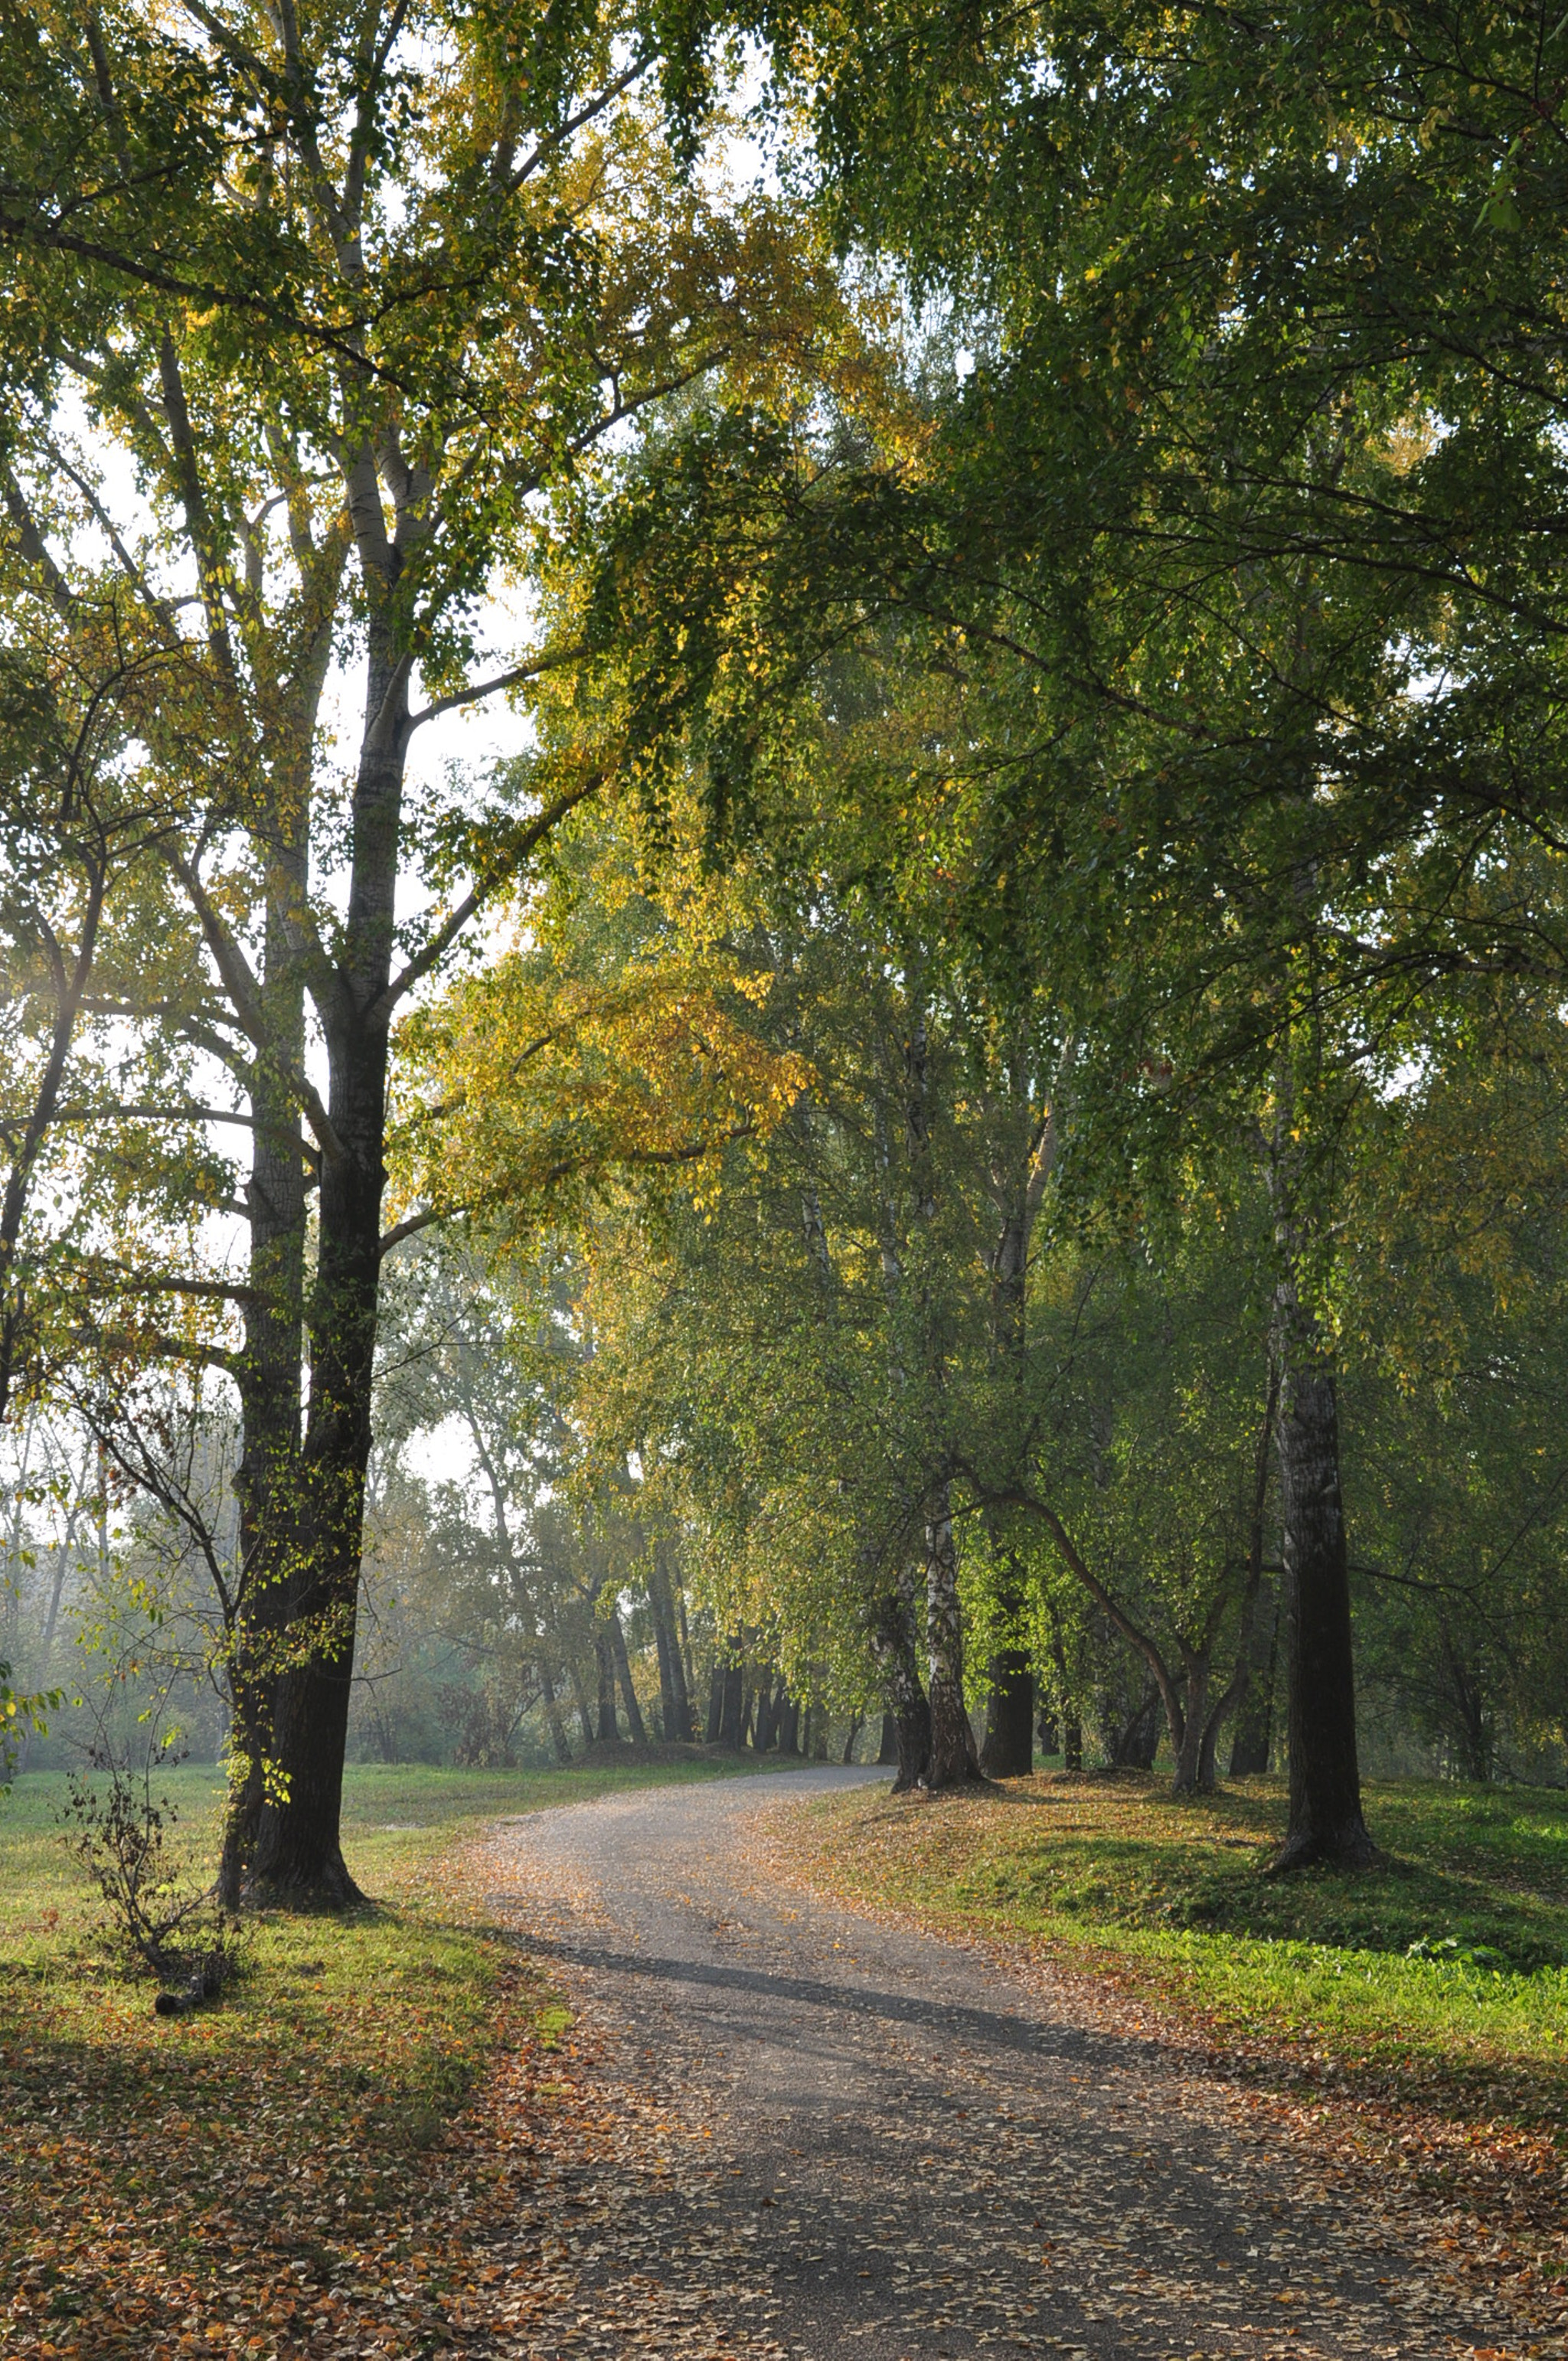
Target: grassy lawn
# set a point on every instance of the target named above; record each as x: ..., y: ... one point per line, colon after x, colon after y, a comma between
x: 1441, y: 1977
x: 267, y: 2148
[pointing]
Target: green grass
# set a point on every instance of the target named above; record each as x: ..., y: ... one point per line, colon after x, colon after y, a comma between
x: 1443, y: 1973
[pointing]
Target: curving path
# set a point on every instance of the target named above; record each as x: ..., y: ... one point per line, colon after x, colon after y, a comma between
x: 885, y: 2148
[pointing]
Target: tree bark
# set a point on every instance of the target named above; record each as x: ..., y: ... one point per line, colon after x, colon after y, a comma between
x: 609, y: 1732
x: 953, y: 1762
x: 891, y: 1635
x: 1009, y: 1748
x: 789, y: 1725
x: 674, y: 1700
x: 634, y: 1720
x: 1326, y: 1821
x: 887, y: 1745
x: 1071, y: 1741
x: 267, y: 1480
x: 734, y: 1696
x: 299, y: 1853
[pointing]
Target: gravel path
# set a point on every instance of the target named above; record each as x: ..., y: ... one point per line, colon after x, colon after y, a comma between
x: 871, y: 2143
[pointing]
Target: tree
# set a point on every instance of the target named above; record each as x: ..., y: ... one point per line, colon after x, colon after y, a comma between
x: 363, y: 298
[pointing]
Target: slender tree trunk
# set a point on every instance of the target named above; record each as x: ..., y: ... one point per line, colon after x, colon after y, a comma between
x: 1047, y: 1732
x: 714, y: 1702
x: 673, y: 1699
x: 604, y: 1661
x: 1071, y: 1740
x: 767, y: 1716
x: 887, y: 1745
x: 634, y: 1720
x: 855, y: 1726
x: 268, y: 1480
x: 734, y: 1699
x: 953, y: 1762
x: 789, y: 1724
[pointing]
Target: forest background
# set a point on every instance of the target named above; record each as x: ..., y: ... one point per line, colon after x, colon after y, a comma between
x: 954, y: 1142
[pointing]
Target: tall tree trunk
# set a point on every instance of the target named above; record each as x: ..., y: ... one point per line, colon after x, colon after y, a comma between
x: 267, y: 1480
x: 634, y: 1720
x: 298, y: 1853
x: 892, y: 1636
x: 789, y: 1724
x: 604, y: 1661
x: 887, y: 1745
x: 1072, y: 1739
x: 855, y: 1726
x: 1009, y: 1748
x: 953, y: 1762
x: 674, y: 1701
x: 768, y: 1706
x: 734, y: 1699
x: 1326, y: 1821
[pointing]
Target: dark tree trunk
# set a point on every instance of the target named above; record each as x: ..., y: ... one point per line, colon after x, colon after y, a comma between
x: 887, y: 1746
x: 1009, y: 1748
x: 789, y: 1724
x: 734, y: 1701
x: 299, y: 1853
x: 634, y: 1721
x: 892, y: 1633
x: 714, y: 1702
x: 604, y: 1661
x: 1326, y: 1822
x: 1047, y: 1732
x: 674, y: 1701
x: 267, y: 1481
x: 767, y: 1720
x: 745, y: 1717
x: 953, y: 1762
x: 855, y: 1726
x: 1071, y: 1741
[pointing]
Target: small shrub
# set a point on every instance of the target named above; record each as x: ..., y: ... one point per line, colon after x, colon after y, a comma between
x: 155, y: 1918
